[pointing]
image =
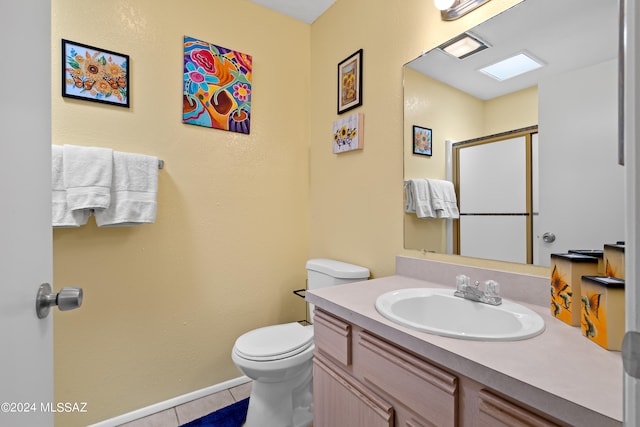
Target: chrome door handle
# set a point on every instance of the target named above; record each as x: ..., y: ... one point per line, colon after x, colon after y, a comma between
x: 548, y: 237
x: 68, y: 298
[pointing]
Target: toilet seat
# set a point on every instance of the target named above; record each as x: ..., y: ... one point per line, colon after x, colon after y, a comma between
x: 274, y: 342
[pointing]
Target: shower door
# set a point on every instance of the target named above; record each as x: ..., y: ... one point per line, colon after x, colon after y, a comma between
x: 494, y: 190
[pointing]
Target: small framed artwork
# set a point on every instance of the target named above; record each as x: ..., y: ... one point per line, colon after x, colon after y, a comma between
x: 348, y: 133
x: 350, y: 82
x: 94, y: 74
x: 422, y: 140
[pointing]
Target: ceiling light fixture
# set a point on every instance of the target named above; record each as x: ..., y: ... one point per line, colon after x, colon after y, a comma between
x: 443, y: 4
x: 512, y: 67
x: 463, y: 46
x: 454, y: 9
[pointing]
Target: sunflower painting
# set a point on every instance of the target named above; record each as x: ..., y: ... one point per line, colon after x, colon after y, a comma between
x: 348, y: 133
x: 350, y: 82
x: 216, y: 91
x: 422, y: 141
x: 94, y: 74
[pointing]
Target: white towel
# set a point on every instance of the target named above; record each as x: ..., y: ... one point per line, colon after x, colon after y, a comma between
x: 61, y: 216
x: 430, y: 198
x: 409, y: 201
x: 443, y: 199
x: 419, y: 198
x: 87, y: 176
x: 133, y: 191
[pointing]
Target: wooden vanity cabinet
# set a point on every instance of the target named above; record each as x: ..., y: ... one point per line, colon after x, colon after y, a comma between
x: 361, y: 380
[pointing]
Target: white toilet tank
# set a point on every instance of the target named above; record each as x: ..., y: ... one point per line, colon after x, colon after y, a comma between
x: 323, y: 272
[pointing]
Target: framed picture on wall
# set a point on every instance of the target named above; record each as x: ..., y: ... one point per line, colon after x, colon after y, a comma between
x: 94, y: 74
x: 422, y: 140
x: 350, y: 82
x: 348, y: 133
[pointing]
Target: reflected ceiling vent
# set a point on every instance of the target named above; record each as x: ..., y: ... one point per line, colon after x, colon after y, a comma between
x: 454, y: 9
x: 512, y: 66
x: 463, y: 46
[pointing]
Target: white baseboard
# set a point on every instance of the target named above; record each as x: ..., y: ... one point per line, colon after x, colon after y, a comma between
x: 167, y: 404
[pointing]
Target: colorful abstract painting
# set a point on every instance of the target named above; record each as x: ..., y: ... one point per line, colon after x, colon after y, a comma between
x: 94, y: 74
x: 217, y: 87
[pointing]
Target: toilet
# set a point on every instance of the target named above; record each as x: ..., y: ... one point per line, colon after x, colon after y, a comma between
x: 278, y: 358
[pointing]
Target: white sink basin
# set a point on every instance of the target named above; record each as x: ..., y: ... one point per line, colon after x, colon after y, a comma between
x: 437, y: 311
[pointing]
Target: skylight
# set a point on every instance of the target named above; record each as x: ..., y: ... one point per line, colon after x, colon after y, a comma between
x: 512, y: 67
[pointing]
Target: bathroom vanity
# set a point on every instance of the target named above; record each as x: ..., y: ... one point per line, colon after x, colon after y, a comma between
x: 370, y: 371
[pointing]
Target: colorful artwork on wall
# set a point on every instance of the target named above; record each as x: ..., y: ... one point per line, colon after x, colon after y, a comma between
x: 94, y: 74
x: 216, y: 87
x: 422, y: 140
x: 348, y: 133
x: 350, y: 82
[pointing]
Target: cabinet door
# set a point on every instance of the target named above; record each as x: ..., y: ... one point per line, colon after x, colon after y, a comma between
x: 340, y: 401
x: 425, y: 394
x: 332, y: 337
x: 497, y: 412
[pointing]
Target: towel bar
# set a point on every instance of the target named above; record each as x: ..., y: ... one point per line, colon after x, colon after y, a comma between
x: 160, y: 164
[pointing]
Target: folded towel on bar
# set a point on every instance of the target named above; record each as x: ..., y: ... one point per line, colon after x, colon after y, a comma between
x: 61, y: 215
x: 429, y: 198
x: 443, y: 198
x: 87, y: 176
x: 134, y: 190
x: 418, y: 198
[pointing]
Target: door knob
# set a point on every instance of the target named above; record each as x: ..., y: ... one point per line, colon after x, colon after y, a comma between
x: 548, y: 237
x: 68, y: 298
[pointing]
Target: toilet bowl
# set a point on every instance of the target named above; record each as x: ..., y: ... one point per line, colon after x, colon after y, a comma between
x: 279, y: 361
x: 278, y: 358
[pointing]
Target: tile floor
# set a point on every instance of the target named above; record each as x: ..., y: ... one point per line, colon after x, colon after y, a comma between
x: 195, y: 409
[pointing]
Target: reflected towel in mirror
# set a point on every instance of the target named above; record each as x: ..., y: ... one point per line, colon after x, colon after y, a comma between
x: 431, y: 198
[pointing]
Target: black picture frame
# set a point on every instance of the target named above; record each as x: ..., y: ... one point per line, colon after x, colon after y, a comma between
x: 350, y: 82
x: 95, y: 74
x: 422, y: 141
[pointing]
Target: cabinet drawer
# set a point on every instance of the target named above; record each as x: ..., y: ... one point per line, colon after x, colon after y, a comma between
x: 494, y: 411
x: 424, y: 389
x: 332, y: 337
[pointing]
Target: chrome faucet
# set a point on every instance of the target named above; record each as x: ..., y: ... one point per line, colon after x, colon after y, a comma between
x: 488, y: 295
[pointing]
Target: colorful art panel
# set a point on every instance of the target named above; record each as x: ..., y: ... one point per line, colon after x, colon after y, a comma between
x: 94, y: 74
x: 217, y: 87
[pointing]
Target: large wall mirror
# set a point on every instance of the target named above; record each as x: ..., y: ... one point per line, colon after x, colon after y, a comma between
x: 572, y: 98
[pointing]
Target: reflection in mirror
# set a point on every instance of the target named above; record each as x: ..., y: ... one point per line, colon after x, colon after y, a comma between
x: 572, y: 98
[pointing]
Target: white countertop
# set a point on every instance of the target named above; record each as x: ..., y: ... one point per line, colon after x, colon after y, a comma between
x: 559, y: 371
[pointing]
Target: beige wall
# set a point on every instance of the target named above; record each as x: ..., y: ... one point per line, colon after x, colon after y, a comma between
x: 165, y: 302
x: 238, y: 215
x: 509, y: 112
x: 452, y: 115
x: 356, y: 197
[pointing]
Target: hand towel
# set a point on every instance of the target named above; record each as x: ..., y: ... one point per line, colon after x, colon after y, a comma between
x: 87, y: 176
x: 61, y: 215
x: 420, y: 198
x: 409, y: 201
x: 134, y: 190
x: 443, y: 199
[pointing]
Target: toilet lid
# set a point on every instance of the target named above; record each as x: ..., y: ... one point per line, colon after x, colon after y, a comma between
x: 274, y: 342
